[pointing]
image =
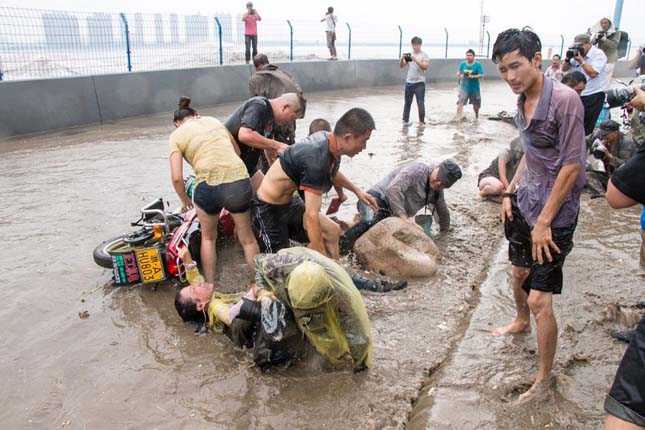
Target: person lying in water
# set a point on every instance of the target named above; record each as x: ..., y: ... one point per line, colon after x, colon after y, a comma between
x: 296, y: 285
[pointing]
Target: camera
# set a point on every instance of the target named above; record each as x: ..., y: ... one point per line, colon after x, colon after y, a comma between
x: 619, y: 96
x: 598, y: 149
x: 407, y: 57
x: 576, y: 49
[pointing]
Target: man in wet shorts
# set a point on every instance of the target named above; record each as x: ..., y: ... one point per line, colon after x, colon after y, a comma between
x: 311, y: 168
x: 540, y: 218
x: 252, y: 126
x: 625, y: 403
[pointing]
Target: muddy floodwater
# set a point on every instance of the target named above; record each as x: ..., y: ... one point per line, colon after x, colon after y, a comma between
x: 132, y: 364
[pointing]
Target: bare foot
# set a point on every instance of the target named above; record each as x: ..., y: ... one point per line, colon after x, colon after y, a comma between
x: 538, y: 388
x: 513, y: 328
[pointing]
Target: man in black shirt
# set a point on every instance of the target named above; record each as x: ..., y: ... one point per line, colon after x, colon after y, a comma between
x: 252, y: 127
x: 310, y: 167
x: 625, y: 403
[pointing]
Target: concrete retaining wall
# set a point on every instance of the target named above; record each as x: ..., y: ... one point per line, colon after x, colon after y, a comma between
x: 44, y: 105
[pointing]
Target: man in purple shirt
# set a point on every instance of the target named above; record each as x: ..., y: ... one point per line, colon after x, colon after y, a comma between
x: 540, y: 217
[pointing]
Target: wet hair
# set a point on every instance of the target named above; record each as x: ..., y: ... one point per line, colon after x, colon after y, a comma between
x: 187, y: 310
x: 319, y: 124
x: 330, y: 9
x: 416, y: 40
x: 572, y: 79
x: 470, y: 51
x: 525, y: 41
x: 557, y: 55
x: 184, y: 109
x: 356, y: 121
x: 260, y: 60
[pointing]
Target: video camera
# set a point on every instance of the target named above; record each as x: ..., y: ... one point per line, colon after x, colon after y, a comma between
x: 621, y: 95
x: 574, y: 50
x: 598, y: 149
x: 407, y: 57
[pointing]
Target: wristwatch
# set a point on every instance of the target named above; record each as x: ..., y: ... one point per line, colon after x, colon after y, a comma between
x: 190, y: 265
x: 505, y: 194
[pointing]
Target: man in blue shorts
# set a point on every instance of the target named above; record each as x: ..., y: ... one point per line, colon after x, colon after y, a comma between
x: 470, y: 72
x: 541, y: 216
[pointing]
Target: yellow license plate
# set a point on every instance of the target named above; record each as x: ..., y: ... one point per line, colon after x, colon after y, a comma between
x: 150, y: 265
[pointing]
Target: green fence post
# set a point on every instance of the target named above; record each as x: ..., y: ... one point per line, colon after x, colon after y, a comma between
x: 219, y: 34
x: 290, y: 41
x: 349, y: 47
x: 127, y: 41
x: 446, y: 30
x: 400, y: 41
x: 488, y: 49
x: 561, y: 45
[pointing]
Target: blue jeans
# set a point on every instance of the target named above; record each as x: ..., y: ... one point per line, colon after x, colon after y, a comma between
x: 417, y: 90
x: 250, y: 41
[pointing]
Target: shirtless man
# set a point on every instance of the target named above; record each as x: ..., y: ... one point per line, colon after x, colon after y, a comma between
x: 311, y: 168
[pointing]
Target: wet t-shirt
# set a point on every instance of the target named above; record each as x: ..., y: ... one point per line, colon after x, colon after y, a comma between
x: 471, y: 86
x: 629, y: 178
x: 255, y: 113
x: 310, y: 164
x: 555, y: 137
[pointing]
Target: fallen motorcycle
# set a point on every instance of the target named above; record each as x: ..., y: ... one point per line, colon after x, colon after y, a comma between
x: 150, y: 253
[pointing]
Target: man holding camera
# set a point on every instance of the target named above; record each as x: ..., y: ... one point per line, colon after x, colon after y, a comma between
x: 591, y: 61
x: 415, y: 83
x: 250, y: 19
x: 330, y: 21
x: 613, y: 148
x: 606, y: 38
x: 470, y: 72
x: 638, y: 62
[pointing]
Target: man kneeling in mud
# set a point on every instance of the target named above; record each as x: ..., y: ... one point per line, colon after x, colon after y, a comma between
x: 311, y: 168
x: 295, y: 285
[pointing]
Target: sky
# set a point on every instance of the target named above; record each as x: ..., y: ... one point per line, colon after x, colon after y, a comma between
x: 549, y: 18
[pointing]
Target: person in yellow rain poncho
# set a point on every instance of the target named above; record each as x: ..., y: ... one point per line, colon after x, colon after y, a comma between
x: 295, y: 285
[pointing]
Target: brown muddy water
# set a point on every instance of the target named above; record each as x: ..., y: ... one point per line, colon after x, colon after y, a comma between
x: 132, y: 364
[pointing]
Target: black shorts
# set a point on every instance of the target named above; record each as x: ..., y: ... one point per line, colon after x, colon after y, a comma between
x: 276, y: 224
x: 234, y: 196
x: 626, y: 398
x: 545, y: 277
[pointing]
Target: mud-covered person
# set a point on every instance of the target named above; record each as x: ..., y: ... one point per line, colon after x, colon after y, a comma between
x: 402, y: 193
x: 311, y: 168
x: 252, y: 125
x: 496, y: 178
x: 270, y: 81
x: 540, y: 217
x: 417, y: 63
x: 221, y: 178
x: 625, y: 403
x: 295, y: 285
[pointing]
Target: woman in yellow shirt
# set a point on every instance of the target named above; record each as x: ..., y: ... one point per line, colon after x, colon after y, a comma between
x: 221, y: 178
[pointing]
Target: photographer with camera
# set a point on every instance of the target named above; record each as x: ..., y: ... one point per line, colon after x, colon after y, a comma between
x: 417, y: 62
x: 330, y: 21
x: 638, y: 62
x: 250, y: 19
x: 613, y: 148
x: 591, y: 61
x: 606, y: 38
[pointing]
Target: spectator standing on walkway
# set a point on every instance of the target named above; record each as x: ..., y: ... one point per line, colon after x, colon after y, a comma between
x: 591, y: 61
x: 330, y: 31
x: 417, y: 63
x: 250, y: 19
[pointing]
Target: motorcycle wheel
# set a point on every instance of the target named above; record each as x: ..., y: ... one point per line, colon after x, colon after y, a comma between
x: 104, y: 251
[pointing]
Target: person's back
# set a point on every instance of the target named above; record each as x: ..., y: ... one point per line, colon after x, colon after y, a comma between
x: 208, y: 147
x: 271, y: 82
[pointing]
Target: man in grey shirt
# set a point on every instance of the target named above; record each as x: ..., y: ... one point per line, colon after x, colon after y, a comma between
x: 403, y: 192
x: 417, y: 63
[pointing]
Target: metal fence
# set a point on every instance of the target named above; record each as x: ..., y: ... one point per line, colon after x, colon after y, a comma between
x: 46, y: 43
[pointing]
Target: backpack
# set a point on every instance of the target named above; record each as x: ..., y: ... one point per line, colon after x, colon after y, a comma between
x: 623, y: 42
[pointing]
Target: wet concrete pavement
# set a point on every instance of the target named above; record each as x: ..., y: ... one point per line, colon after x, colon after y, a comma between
x: 133, y: 364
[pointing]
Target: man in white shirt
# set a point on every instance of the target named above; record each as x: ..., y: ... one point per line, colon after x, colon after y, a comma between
x: 415, y: 83
x: 591, y: 62
x: 555, y: 71
x: 330, y: 21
